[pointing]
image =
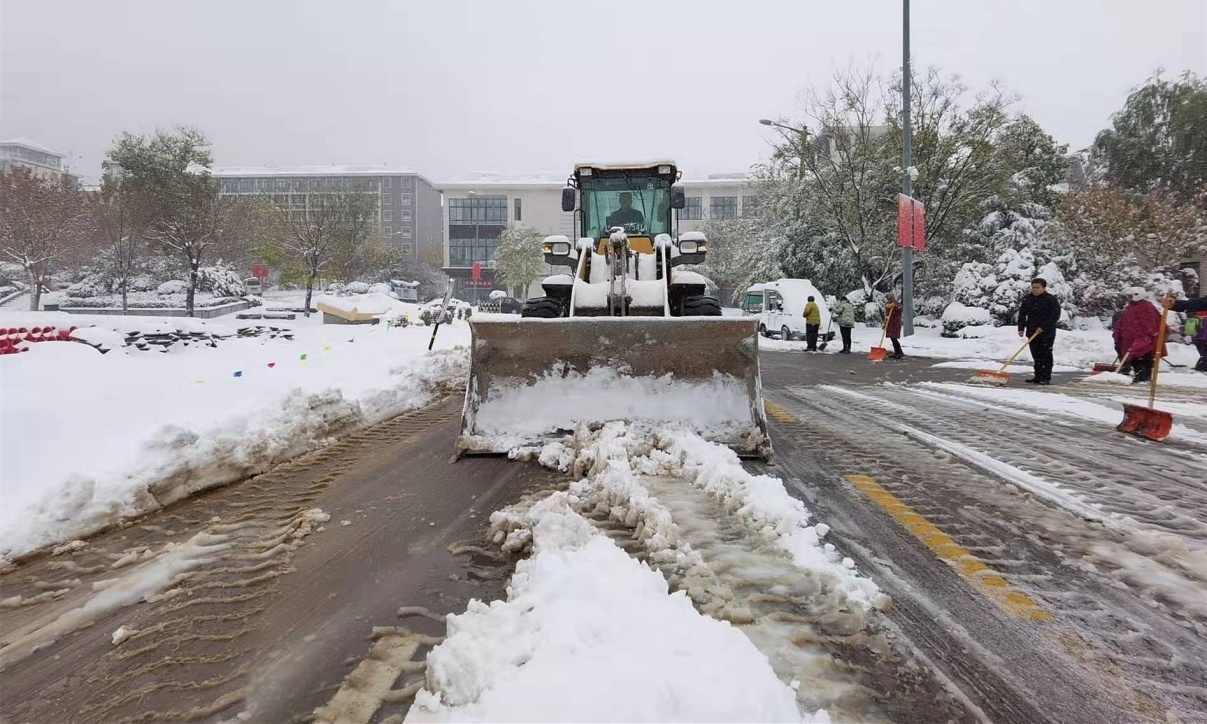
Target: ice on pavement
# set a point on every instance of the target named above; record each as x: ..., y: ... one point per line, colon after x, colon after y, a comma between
x: 587, y: 633
x: 90, y: 438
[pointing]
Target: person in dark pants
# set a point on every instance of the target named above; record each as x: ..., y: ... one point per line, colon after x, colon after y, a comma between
x: 812, y: 315
x: 1196, y: 307
x: 1039, y: 312
x: 845, y: 313
x: 893, y: 328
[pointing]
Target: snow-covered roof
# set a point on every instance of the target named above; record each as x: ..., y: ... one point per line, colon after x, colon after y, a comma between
x: 489, y: 178
x: 311, y: 171
x: 30, y: 144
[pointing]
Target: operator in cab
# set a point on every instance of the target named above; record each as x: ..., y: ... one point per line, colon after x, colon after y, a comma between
x: 626, y: 215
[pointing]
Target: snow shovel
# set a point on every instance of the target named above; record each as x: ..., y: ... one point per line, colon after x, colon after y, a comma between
x: 1118, y: 364
x: 880, y: 352
x: 1149, y: 422
x: 827, y: 336
x: 1001, y: 377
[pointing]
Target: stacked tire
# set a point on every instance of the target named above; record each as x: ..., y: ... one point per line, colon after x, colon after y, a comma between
x: 700, y: 307
x: 542, y: 308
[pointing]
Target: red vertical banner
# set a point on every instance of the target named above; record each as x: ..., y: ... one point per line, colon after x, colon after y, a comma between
x: 911, y: 222
x: 477, y: 270
x: 905, y: 215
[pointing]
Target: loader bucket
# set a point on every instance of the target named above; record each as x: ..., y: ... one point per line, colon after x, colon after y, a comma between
x: 1145, y: 422
x: 537, y: 379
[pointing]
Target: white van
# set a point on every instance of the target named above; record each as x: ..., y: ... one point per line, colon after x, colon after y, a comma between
x: 780, y: 307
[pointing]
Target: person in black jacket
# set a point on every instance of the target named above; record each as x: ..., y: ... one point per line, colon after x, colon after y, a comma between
x: 1039, y: 312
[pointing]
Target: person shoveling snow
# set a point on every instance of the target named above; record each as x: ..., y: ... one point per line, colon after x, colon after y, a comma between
x: 1136, y: 334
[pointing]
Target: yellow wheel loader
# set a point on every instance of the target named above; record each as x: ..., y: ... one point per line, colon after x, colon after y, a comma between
x: 627, y: 333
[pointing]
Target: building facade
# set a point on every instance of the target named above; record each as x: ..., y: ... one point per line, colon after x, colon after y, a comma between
x: 478, y: 209
x: 27, y: 153
x: 408, y: 205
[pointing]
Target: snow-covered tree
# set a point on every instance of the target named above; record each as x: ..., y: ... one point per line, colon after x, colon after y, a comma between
x: 43, y: 223
x: 742, y: 252
x: 1158, y: 140
x: 121, y: 231
x: 167, y: 176
x: 334, y: 234
x: 519, y: 260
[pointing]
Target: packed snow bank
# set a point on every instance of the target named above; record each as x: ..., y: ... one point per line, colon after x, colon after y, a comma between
x: 91, y: 438
x: 589, y: 634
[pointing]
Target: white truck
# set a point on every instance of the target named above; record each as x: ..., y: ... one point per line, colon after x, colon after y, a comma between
x: 780, y: 307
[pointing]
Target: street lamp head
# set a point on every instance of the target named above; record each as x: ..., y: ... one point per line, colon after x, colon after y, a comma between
x: 766, y: 121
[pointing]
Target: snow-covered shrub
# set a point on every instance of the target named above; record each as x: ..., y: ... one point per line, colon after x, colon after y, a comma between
x: 958, y: 316
x: 382, y: 288
x: 337, y: 289
x: 175, y: 286
x: 143, y: 283
x: 220, y: 280
x: 932, y: 306
x: 89, y: 287
x: 357, y: 287
x: 927, y: 321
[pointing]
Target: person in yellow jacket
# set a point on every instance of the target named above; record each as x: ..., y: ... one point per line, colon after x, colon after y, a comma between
x: 812, y: 316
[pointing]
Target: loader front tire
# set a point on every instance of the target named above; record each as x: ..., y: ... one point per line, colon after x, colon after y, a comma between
x: 542, y: 308
x: 701, y: 307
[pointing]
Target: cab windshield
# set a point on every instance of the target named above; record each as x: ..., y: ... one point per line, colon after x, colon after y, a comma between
x: 640, y: 206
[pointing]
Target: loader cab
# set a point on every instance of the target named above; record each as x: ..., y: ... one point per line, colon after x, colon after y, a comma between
x: 639, y: 199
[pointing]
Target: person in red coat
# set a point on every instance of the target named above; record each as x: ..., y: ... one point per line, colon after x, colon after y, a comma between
x: 893, y: 329
x: 1136, y: 334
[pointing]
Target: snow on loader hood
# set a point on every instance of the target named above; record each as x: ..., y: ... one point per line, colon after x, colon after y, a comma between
x: 537, y: 378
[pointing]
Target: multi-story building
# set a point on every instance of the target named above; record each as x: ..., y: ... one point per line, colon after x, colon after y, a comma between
x: 477, y: 209
x: 408, y: 205
x: 30, y: 154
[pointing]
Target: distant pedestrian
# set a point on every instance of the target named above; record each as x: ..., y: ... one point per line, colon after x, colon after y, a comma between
x: 1136, y: 334
x: 892, y: 328
x: 1197, y: 331
x: 812, y: 316
x: 1039, y: 312
x: 845, y: 312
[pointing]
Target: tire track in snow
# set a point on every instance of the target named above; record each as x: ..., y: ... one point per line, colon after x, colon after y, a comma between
x: 183, y: 659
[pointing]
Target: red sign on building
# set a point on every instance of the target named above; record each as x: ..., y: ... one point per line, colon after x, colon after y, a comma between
x: 477, y: 273
x: 911, y: 222
x: 260, y: 271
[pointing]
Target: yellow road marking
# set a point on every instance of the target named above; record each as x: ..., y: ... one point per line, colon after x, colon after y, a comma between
x: 981, y: 576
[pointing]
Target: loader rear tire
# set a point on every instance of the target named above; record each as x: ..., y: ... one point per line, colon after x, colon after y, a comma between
x: 542, y: 308
x: 701, y: 307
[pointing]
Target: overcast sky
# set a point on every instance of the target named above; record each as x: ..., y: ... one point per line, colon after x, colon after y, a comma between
x: 449, y: 87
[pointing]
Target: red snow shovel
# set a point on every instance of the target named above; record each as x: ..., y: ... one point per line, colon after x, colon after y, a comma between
x: 878, y: 353
x: 1148, y: 421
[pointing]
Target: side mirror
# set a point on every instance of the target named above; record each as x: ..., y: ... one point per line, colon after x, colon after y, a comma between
x: 558, y: 248
x: 569, y: 199
x: 678, y: 198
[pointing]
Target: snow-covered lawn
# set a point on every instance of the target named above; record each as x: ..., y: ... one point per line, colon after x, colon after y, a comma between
x: 87, y: 438
x: 1074, y: 350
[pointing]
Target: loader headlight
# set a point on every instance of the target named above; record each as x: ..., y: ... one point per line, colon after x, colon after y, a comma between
x: 558, y: 248
x: 692, y: 247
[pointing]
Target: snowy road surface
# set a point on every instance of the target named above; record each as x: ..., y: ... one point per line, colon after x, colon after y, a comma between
x: 916, y: 550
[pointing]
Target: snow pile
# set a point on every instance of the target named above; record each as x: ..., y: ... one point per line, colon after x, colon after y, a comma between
x: 524, y: 409
x: 91, y: 438
x: 373, y: 303
x: 587, y: 634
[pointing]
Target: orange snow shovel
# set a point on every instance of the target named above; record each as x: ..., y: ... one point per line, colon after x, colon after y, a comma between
x: 1148, y: 421
x: 880, y: 352
x: 1001, y: 377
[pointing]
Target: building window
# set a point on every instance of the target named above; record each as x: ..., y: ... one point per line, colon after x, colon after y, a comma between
x: 750, y: 206
x: 517, y: 210
x: 723, y: 207
x: 408, y: 249
x: 694, y: 210
x: 404, y: 215
x: 405, y: 232
x: 386, y: 215
x: 474, y: 225
x: 404, y: 199
x: 389, y: 231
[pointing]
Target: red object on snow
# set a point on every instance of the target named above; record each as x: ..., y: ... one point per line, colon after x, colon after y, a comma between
x: 272, y: 364
x: 1136, y: 332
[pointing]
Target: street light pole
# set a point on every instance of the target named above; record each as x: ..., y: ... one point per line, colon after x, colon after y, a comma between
x: 907, y: 253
